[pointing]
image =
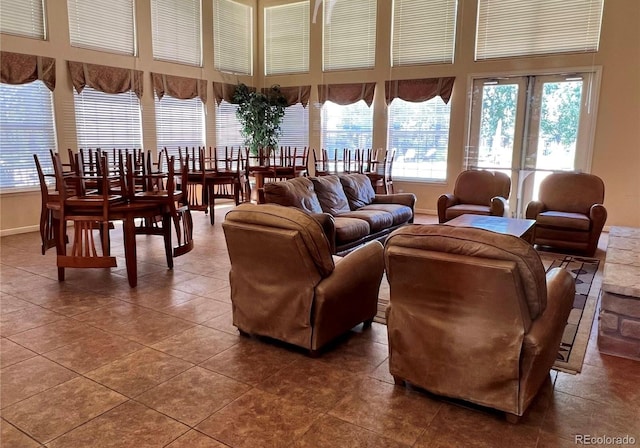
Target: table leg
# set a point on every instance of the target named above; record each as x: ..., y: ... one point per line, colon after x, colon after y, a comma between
x: 129, y: 230
x: 166, y: 228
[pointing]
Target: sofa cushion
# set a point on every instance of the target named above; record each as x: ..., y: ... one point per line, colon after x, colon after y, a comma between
x: 350, y: 229
x: 377, y: 219
x: 461, y: 209
x: 298, y: 192
x: 576, y: 221
x: 331, y: 194
x: 358, y: 189
x: 400, y: 213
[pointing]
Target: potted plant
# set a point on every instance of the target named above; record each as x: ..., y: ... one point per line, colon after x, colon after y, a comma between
x: 260, y: 114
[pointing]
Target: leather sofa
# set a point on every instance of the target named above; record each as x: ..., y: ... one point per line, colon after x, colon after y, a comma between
x: 347, y: 207
x: 287, y: 285
x: 477, y: 193
x: 472, y: 314
x: 569, y: 213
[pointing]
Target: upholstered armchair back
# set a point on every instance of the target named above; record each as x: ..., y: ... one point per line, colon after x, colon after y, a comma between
x: 571, y: 192
x: 478, y: 187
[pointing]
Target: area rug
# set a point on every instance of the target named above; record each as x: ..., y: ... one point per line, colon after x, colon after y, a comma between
x: 576, y: 333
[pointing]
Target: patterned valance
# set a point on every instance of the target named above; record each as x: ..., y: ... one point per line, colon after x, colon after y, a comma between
x: 17, y: 68
x: 294, y: 94
x: 344, y: 94
x: 418, y: 90
x: 105, y: 79
x: 179, y: 87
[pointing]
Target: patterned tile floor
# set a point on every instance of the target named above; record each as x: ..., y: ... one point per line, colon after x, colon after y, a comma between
x: 93, y: 363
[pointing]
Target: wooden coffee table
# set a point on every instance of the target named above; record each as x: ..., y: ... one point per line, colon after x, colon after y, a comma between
x: 522, y: 228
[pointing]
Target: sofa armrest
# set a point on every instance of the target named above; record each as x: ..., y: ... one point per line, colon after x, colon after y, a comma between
x: 444, y: 202
x: 598, y: 216
x: 328, y: 225
x: 534, y: 208
x: 408, y: 199
x: 499, y: 206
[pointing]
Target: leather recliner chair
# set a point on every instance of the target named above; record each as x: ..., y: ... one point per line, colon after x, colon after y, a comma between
x: 472, y: 315
x: 286, y: 285
x: 477, y: 193
x: 569, y: 213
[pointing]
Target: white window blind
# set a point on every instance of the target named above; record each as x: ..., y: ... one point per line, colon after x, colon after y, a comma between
x: 233, y: 37
x: 26, y: 128
x: 176, y: 31
x: 349, y: 34
x: 423, y: 32
x: 179, y: 123
x: 228, y: 126
x: 286, y: 38
x: 107, y: 121
x: 22, y: 18
x: 348, y: 126
x: 419, y: 132
x: 295, y: 127
x: 106, y: 25
x: 508, y: 28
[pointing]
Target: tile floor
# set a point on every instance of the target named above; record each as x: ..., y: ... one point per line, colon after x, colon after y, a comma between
x: 93, y: 363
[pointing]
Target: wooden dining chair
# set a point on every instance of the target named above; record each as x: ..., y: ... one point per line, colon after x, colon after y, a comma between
x: 49, y: 208
x: 321, y: 162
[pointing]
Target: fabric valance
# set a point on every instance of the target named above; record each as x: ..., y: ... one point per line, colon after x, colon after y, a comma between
x: 225, y: 91
x: 18, y: 68
x: 179, y: 87
x: 105, y: 79
x: 294, y: 94
x: 418, y: 90
x: 344, y: 94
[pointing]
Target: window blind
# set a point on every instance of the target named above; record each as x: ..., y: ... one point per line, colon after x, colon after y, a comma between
x: 179, y: 123
x: 348, y: 126
x: 228, y: 126
x: 423, y: 32
x: 22, y: 18
x: 286, y: 38
x: 420, y: 134
x: 105, y: 25
x: 106, y: 120
x: 26, y: 128
x: 349, y: 35
x: 508, y: 28
x: 176, y: 31
x: 295, y: 127
x: 233, y: 37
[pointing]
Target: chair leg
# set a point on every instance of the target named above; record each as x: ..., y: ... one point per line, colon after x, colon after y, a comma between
x: 398, y: 381
x: 367, y: 323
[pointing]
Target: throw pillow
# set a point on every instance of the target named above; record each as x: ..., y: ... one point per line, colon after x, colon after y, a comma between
x: 296, y: 192
x: 331, y: 195
x: 358, y: 189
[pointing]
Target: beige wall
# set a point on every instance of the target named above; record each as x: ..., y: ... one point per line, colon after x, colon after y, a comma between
x: 616, y: 149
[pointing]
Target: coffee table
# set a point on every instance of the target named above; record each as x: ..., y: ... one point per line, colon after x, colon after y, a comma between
x: 522, y: 228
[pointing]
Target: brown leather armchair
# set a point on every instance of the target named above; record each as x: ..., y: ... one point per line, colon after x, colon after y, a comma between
x: 477, y: 193
x: 286, y: 285
x: 569, y: 213
x: 472, y: 315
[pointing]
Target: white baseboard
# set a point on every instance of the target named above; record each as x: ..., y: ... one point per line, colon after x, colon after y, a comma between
x: 18, y: 230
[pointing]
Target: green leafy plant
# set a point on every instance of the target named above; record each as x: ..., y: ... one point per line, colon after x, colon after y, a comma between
x: 260, y: 114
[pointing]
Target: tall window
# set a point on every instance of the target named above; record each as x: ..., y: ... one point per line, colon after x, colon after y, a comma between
x: 22, y: 18
x: 295, y: 127
x: 420, y: 134
x: 508, y: 28
x: 349, y: 34
x: 26, y: 128
x: 106, y: 25
x: 348, y: 126
x: 423, y: 32
x: 107, y: 121
x: 228, y: 126
x: 176, y: 31
x: 286, y: 38
x: 233, y: 37
x: 179, y: 123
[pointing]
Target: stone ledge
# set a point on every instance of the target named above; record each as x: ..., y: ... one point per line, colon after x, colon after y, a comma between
x: 619, y: 304
x: 617, y: 346
x: 630, y: 329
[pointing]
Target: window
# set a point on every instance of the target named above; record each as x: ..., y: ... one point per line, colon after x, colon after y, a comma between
x: 22, y: 18
x: 106, y: 25
x: 295, y: 127
x: 179, y: 123
x: 346, y: 126
x: 26, y: 128
x: 176, y: 31
x: 233, y: 37
x: 349, y: 34
x: 106, y: 120
x: 423, y: 32
x: 286, y: 39
x: 227, y: 126
x: 419, y: 132
x: 508, y: 28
